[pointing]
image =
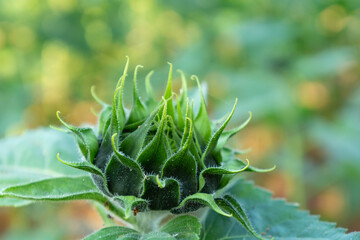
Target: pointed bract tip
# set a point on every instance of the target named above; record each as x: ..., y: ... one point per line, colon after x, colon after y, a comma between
x: 148, y: 76
x: 168, y: 90
x: 170, y: 71
x: 235, y: 104
x: 135, y: 79
x: 123, y: 76
x: 127, y: 63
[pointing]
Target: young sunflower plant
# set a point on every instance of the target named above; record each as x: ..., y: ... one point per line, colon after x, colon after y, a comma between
x: 159, y: 159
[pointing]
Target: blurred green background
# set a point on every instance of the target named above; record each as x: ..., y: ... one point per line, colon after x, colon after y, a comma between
x: 293, y: 64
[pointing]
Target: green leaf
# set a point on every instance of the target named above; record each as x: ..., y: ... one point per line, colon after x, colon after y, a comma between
x: 168, y: 94
x: 60, y: 189
x: 104, y: 120
x: 85, y: 138
x: 147, y: 236
x: 175, y: 139
x: 125, y: 160
x: 183, y: 227
x: 240, y: 163
x: 124, y: 175
x: 118, y: 107
x: 215, y: 137
x: 117, y: 124
x: 232, y: 206
x: 217, y: 171
x: 32, y: 157
x: 84, y: 165
x: 184, y: 92
x: 179, y: 117
x: 202, y: 122
x: 269, y: 217
x: 122, y: 233
x: 152, y: 157
x: 133, y: 143
x: 118, y: 116
x: 187, y: 236
x: 138, y: 111
x: 182, y: 165
x: 123, y: 179
x: 193, y: 202
x: 105, y: 114
x: 117, y: 113
x: 226, y: 135
x: 162, y: 194
x: 97, y: 175
x: 105, y: 150
x: 53, y: 189
x: 231, y: 161
x: 130, y: 236
x: 157, y: 236
x: 111, y: 233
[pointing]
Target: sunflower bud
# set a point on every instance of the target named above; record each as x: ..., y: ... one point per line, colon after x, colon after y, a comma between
x: 159, y: 155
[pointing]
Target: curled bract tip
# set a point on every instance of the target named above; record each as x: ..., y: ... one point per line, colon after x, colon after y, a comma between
x: 159, y: 182
x: 273, y: 168
x: 63, y: 122
x: 59, y: 159
x: 113, y: 141
x: 247, y: 164
x: 97, y: 99
x: 194, y: 77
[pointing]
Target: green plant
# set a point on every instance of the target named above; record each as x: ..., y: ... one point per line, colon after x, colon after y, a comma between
x: 160, y: 156
x: 158, y: 167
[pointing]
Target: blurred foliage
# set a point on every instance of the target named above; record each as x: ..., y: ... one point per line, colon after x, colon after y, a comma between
x: 68, y: 221
x: 294, y: 64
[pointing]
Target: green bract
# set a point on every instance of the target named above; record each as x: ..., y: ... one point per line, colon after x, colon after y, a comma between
x: 160, y: 155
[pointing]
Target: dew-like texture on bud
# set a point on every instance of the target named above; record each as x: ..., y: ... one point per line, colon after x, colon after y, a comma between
x: 159, y: 155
